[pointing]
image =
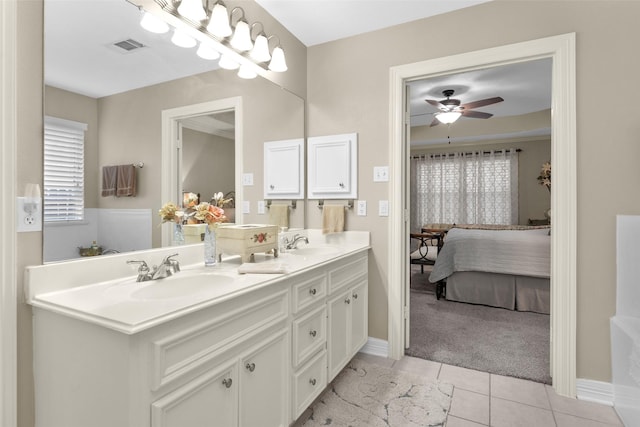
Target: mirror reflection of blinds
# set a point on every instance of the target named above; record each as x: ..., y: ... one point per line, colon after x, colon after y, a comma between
x: 63, y: 170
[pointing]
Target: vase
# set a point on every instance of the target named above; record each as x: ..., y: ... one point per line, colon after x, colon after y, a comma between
x: 209, y: 246
x: 178, y: 234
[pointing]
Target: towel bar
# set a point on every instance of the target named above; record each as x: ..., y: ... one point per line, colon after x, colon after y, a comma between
x: 292, y: 205
x: 349, y: 204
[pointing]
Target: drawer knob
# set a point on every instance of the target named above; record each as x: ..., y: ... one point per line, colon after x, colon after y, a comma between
x: 312, y: 381
x: 313, y: 333
x: 272, y: 186
x: 250, y: 367
x: 227, y: 382
x: 341, y: 185
x: 355, y: 296
x: 312, y: 291
x: 347, y: 301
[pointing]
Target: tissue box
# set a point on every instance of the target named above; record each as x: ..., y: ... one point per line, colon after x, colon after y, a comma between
x: 246, y: 239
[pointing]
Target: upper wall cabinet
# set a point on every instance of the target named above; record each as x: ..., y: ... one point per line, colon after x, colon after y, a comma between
x: 284, y: 169
x: 333, y: 167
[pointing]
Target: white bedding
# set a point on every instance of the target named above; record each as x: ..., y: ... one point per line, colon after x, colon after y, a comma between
x: 519, y: 252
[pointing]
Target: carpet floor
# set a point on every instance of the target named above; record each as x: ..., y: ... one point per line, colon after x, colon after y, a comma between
x: 488, y: 339
x: 369, y: 395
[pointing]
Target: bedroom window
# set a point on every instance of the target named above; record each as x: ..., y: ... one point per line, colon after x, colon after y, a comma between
x: 63, y: 170
x: 465, y: 188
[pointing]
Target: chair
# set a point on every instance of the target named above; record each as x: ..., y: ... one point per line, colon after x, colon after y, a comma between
x: 428, y: 244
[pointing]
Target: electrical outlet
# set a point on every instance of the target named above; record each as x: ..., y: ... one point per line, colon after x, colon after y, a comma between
x: 247, y: 179
x: 261, y: 207
x: 381, y: 173
x: 383, y: 208
x: 246, y: 207
x: 362, y: 208
x: 29, y: 215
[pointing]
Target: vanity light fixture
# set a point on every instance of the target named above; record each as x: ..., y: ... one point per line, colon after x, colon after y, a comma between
x: 182, y: 39
x: 153, y: 24
x: 228, y: 63
x: 260, y: 51
x: 246, y: 72
x: 219, y: 21
x: 278, y: 63
x: 448, y: 117
x: 193, y: 10
x: 205, y: 51
x: 241, y: 39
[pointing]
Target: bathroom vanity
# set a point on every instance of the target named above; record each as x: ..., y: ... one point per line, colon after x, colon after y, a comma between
x: 206, y: 346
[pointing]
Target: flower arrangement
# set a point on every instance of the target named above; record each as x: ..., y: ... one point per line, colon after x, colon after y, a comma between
x: 209, y: 214
x: 544, y: 178
x: 222, y: 200
x: 170, y: 212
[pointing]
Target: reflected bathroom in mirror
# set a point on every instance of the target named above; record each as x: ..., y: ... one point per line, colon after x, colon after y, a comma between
x: 121, y: 96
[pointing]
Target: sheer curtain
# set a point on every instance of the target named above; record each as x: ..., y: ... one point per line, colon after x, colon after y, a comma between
x: 465, y: 188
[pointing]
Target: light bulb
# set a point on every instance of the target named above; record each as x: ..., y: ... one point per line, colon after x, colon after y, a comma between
x: 241, y: 39
x: 260, y: 51
x: 219, y: 22
x: 278, y: 63
x: 207, y: 52
x: 448, y: 117
x: 246, y: 72
x: 192, y: 9
x: 228, y: 63
x: 183, y: 40
x: 153, y: 24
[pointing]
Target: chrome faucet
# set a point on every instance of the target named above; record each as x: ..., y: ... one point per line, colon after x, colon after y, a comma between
x: 166, y: 268
x: 293, y: 244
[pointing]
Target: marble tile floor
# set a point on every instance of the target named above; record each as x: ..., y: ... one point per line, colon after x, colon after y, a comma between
x: 483, y: 399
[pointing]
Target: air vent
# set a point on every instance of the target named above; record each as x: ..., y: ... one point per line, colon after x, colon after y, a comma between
x: 129, y: 45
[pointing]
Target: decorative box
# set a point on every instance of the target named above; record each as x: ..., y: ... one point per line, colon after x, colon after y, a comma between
x: 193, y: 233
x: 246, y: 239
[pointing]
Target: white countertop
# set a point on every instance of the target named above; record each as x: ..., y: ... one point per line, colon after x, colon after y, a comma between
x: 103, y: 290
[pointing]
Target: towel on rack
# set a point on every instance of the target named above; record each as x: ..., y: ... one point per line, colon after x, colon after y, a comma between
x: 332, y: 219
x: 279, y: 215
x: 126, y: 182
x: 109, y: 176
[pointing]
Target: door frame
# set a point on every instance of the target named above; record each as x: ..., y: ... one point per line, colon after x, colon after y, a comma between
x: 561, y: 49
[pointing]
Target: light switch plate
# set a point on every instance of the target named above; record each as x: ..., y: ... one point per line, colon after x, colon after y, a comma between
x: 247, y: 179
x: 383, y: 208
x: 246, y: 207
x: 380, y: 173
x: 362, y: 208
x: 261, y: 207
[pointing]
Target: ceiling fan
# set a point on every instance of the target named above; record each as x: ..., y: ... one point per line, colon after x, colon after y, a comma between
x: 451, y: 109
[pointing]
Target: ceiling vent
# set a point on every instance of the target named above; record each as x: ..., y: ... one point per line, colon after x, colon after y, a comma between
x: 129, y: 45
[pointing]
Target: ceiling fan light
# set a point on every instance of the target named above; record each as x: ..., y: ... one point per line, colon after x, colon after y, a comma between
x: 278, y: 63
x: 448, y: 117
x: 260, y: 51
x: 246, y: 72
x: 241, y: 39
x: 153, y: 24
x: 205, y: 51
x: 228, y: 63
x: 219, y: 22
x: 192, y: 9
x: 182, y: 39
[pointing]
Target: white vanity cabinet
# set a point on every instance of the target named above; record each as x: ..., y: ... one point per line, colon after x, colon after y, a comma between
x: 333, y: 167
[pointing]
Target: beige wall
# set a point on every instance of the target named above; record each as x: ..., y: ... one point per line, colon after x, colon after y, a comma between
x: 347, y: 91
x: 533, y: 199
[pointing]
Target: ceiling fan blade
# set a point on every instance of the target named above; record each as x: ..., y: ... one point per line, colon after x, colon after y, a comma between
x: 476, y: 114
x: 435, y: 122
x: 481, y: 103
x: 435, y: 103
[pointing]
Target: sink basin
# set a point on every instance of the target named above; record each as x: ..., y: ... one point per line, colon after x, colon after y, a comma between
x: 313, y: 250
x: 176, y: 288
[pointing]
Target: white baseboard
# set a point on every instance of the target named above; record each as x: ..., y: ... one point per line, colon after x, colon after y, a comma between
x: 376, y: 347
x: 594, y: 391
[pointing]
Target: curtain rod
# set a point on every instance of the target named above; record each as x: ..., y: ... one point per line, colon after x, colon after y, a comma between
x: 518, y: 150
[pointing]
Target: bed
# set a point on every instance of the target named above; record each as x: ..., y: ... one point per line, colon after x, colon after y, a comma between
x: 508, y: 268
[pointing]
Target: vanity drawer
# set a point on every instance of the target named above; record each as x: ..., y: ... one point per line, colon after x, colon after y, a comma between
x: 308, y: 383
x: 192, y: 346
x: 309, y: 290
x: 309, y: 334
x: 347, y: 273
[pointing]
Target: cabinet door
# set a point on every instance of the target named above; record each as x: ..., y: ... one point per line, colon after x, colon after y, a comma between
x: 264, y: 383
x: 359, y: 317
x: 339, y: 330
x: 333, y: 164
x: 284, y: 169
x: 209, y: 400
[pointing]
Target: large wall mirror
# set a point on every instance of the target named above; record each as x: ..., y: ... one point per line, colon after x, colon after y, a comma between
x: 103, y: 70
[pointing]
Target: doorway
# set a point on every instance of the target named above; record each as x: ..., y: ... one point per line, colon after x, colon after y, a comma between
x: 561, y: 49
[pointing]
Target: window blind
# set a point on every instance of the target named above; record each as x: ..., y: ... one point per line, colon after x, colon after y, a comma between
x: 63, y: 170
